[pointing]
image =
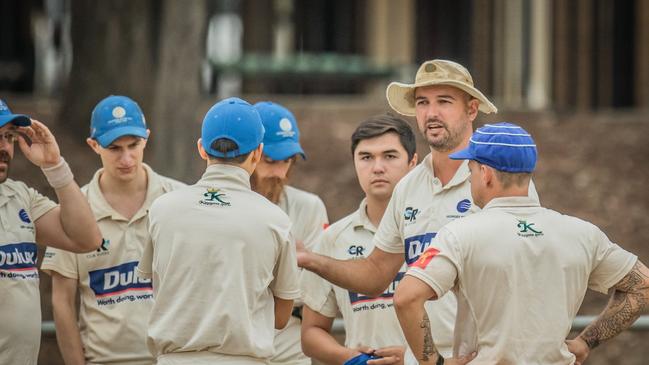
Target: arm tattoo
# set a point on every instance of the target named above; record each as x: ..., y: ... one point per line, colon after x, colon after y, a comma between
x: 429, y: 345
x: 630, y: 297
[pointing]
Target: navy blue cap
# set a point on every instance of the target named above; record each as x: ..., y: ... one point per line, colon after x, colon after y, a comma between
x: 114, y: 117
x: 282, y: 138
x: 504, y: 146
x: 236, y: 120
x: 6, y: 117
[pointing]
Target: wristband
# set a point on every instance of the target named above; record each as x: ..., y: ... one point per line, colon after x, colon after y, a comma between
x: 58, y: 176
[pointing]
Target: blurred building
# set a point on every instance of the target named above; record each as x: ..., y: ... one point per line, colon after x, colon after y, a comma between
x: 529, y: 54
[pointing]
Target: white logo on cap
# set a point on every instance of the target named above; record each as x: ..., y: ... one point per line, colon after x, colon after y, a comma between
x: 119, y: 112
x: 286, y: 128
x: 285, y: 124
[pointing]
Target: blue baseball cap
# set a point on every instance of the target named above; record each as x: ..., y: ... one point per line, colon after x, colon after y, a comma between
x: 6, y: 117
x: 236, y: 120
x: 114, y: 117
x: 504, y: 146
x: 282, y: 138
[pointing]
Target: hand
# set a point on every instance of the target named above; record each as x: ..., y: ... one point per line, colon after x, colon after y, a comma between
x: 43, y: 150
x: 579, y: 348
x: 460, y: 360
x: 389, y: 355
x: 302, y: 253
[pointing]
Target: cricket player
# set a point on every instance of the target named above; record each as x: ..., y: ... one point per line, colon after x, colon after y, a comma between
x: 306, y: 210
x: 445, y: 103
x: 221, y: 256
x: 519, y: 271
x: 114, y: 302
x: 384, y: 150
x: 28, y: 218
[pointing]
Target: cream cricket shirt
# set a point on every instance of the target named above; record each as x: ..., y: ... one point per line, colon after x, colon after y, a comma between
x: 115, y: 303
x: 307, y: 213
x: 308, y: 217
x: 520, y: 273
x: 20, y: 305
x: 419, y: 207
x: 368, y: 321
x: 218, y: 253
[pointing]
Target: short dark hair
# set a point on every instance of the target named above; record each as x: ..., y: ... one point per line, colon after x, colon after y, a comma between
x: 225, y: 145
x: 508, y: 179
x: 379, y: 125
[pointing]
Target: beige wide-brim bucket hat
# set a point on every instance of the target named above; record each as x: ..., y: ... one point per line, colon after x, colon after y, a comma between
x: 401, y: 97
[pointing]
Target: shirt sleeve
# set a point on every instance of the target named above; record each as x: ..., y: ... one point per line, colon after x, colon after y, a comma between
x: 317, y: 292
x: 611, y: 263
x: 62, y: 262
x: 388, y: 234
x: 318, y: 222
x: 438, y: 266
x: 38, y: 204
x: 285, y: 284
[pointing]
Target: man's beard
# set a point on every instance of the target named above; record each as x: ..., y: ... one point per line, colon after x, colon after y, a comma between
x: 451, y: 139
x: 6, y: 158
x: 270, y: 187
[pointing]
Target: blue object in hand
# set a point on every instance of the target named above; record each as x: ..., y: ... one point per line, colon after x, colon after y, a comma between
x: 361, y: 359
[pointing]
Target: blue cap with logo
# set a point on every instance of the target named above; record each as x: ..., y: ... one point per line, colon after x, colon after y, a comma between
x: 114, y: 117
x: 504, y: 146
x: 236, y: 120
x: 282, y: 138
x: 6, y: 117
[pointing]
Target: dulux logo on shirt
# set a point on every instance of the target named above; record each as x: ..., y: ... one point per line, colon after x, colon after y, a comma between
x: 355, y: 298
x: 117, y: 280
x: 18, y: 257
x: 416, y: 245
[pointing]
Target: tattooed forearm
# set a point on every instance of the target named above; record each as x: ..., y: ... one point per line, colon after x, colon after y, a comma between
x: 630, y: 297
x: 429, y: 346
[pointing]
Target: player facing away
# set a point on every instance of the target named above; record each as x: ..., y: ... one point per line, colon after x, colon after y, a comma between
x: 28, y: 218
x: 519, y: 271
x: 221, y: 256
x: 306, y: 210
x: 383, y: 151
x: 114, y: 304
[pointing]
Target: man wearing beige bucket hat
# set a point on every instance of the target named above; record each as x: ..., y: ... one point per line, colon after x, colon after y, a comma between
x: 445, y: 102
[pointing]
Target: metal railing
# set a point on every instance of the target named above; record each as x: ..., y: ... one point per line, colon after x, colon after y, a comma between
x: 580, y: 322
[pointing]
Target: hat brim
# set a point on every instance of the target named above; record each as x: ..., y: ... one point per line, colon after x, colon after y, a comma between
x: 401, y: 97
x: 19, y: 120
x: 464, y: 154
x: 107, y: 138
x: 283, y: 150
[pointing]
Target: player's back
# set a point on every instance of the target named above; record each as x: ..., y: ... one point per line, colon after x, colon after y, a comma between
x: 218, y: 251
x: 523, y: 276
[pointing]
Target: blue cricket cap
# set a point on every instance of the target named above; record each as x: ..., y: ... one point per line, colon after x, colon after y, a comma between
x: 282, y: 138
x: 236, y: 120
x: 6, y: 117
x: 504, y: 146
x: 114, y: 117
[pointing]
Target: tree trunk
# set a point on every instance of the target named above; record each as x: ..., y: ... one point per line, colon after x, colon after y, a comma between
x: 176, y: 118
x: 114, y: 52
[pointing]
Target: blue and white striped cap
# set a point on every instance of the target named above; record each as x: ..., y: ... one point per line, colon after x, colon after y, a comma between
x: 504, y: 146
